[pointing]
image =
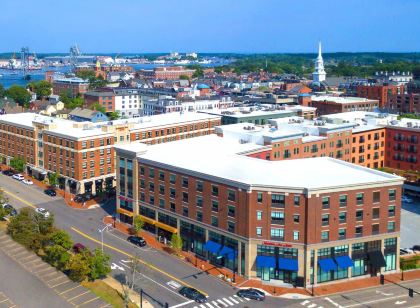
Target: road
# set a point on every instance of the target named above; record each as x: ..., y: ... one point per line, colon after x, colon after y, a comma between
x: 161, y: 274
x: 410, y: 223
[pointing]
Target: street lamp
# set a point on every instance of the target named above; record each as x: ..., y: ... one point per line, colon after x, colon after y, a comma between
x: 101, y: 231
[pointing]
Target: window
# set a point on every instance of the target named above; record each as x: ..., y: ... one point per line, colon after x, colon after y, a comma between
x: 172, y: 207
x: 259, y: 197
x: 152, y: 187
x: 375, y: 229
x: 343, y: 200
x: 199, y: 201
x: 391, y: 194
x: 162, y: 203
x: 295, y: 235
x: 214, y: 206
x: 199, y: 186
x: 259, y: 231
x: 214, y: 190
x: 151, y: 172
x: 152, y: 200
x: 325, y: 219
x: 161, y: 176
x: 358, y: 231
x: 231, y: 226
x: 325, y: 235
x: 296, y: 200
x: 341, y: 234
x: 185, y: 182
x: 277, y: 200
x: 185, y: 196
x: 84, y: 144
x: 142, y: 170
x: 277, y: 233
x: 214, y: 221
x: 325, y: 202
x: 172, y: 192
x: 359, y: 215
x: 391, y: 226
x: 391, y: 211
x: 296, y: 218
x: 231, y: 195
x: 172, y: 178
x: 185, y: 211
x: 162, y: 189
x: 199, y: 216
x: 376, y: 196
x: 277, y: 218
x: 259, y: 215
x: 231, y: 211
x: 359, y: 198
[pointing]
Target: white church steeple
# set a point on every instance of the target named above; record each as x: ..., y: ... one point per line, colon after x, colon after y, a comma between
x: 319, y: 74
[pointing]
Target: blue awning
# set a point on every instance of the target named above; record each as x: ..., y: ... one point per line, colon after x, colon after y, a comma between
x: 344, y: 261
x: 327, y: 264
x: 227, y: 252
x: 212, y: 246
x: 288, y: 264
x: 266, y: 261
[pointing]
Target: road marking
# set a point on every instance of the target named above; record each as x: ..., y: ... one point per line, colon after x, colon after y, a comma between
x: 182, y: 304
x: 202, y: 306
x: 400, y: 302
x: 312, y: 305
x: 208, y: 304
x: 44, y: 270
x: 59, y: 284
x: 4, y: 300
x: 116, y: 266
x: 383, y: 293
x: 233, y: 300
x: 221, y: 302
x: 70, y: 299
x: 173, y: 284
x: 20, y: 199
x: 227, y: 301
x: 71, y: 289
x: 375, y: 301
x: 238, y: 298
x: 87, y: 302
x: 332, y: 302
x: 140, y: 261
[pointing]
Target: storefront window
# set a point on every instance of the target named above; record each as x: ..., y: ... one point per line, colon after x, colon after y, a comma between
x: 358, y: 268
x: 390, y: 260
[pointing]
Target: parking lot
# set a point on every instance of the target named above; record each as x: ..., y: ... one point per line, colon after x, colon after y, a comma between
x: 410, y: 223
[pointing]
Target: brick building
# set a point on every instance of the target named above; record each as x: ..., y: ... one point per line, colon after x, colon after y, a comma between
x: 404, y: 103
x: 380, y: 92
x: 332, y: 104
x: 166, y: 73
x: 82, y: 153
x: 73, y: 86
x: 312, y: 226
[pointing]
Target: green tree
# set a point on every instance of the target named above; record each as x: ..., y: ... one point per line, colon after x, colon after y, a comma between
x: 184, y: 77
x: 53, y: 179
x: 57, y: 256
x: 176, y: 242
x: 99, y: 265
x: 218, y: 69
x: 138, y: 224
x: 78, y: 267
x: 86, y: 74
x: 42, y: 89
x: 114, y: 115
x: 98, y: 107
x: 2, y: 91
x: 19, y: 94
x: 97, y: 82
x: 60, y: 238
x: 17, y: 163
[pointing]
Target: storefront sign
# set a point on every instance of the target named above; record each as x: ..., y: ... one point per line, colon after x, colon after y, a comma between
x: 125, y: 199
x: 276, y: 244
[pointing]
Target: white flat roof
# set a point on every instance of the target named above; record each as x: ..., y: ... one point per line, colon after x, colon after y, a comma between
x: 242, y: 112
x: 217, y: 157
x: 342, y: 100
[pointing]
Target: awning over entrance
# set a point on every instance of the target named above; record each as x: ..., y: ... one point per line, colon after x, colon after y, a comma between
x: 344, y: 261
x: 148, y: 220
x: 266, y: 261
x: 376, y: 259
x: 166, y: 227
x: 327, y: 264
x: 288, y: 264
x: 125, y: 212
x: 38, y: 170
x: 228, y: 253
x: 212, y: 246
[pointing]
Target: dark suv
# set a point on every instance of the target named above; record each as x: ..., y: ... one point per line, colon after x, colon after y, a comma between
x: 193, y: 294
x: 137, y: 240
x: 252, y: 294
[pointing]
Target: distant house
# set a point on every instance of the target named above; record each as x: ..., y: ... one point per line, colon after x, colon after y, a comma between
x: 82, y: 115
x: 8, y: 105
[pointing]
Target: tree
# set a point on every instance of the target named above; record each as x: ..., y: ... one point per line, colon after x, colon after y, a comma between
x: 218, y: 69
x: 99, y: 265
x: 19, y: 94
x: 60, y: 238
x: 2, y: 91
x: 132, y: 275
x: 184, y: 77
x: 78, y: 267
x: 138, y: 224
x: 176, y: 242
x: 17, y: 163
x: 53, y: 179
x: 86, y: 74
x: 57, y: 256
x: 98, y: 107
x: 42, y: 89
x: 114, y: 115
x: 97, y: 82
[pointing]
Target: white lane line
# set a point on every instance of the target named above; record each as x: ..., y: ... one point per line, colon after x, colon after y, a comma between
x: 202, y: 306
x: 183, y: 304
x: 227, y: 301
x: 332, y: 302
x: 208, y: 304
x: 238, y: 298
x: 305, y: 302
x: 233, y: 300
x: 221, y: 302
x: 312, y: 305
x: 376, y: 300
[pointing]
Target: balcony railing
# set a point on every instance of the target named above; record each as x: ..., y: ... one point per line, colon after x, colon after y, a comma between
x: 277, y: 221
x: 277, y: 238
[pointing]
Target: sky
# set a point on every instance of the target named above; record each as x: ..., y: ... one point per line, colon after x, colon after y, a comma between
x: 242, y: 26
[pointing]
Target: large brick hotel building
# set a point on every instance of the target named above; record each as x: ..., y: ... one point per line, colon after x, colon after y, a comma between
x: 303, y: 221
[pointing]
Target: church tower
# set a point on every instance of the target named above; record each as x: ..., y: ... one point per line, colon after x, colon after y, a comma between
x: 319, y: 74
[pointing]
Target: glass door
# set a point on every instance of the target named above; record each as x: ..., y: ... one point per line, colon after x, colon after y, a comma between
x: 265, y: 274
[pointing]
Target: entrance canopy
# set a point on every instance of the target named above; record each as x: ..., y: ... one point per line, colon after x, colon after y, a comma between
x: 327, y: 264
x: 227, y: 252
x: 344, y: 262
x: 288, y: 264
x: 266, y: 261
x: 212, y: 246
x: 376, y: 259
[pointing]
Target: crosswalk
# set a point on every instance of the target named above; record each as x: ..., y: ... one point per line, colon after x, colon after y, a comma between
x: 223, y: 302
x: 309, y: 304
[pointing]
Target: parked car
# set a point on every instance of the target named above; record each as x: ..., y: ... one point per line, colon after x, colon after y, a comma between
x: 78, y: 247
x: 18, y: 177
x: 43, y: 212
x: 50, y: 192
x: 193, y: 294
x: 406, y: 199
x: 80, y: 199
x: 9, y: 172
x: 137, y: 240
x: 27, y: 182
x: 252, y: 294
x: 416, y: 248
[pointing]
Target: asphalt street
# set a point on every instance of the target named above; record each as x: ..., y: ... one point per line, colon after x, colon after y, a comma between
x: 161, y: 275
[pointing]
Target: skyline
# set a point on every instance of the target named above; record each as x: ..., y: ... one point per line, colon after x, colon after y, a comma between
x: 211, y: 26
